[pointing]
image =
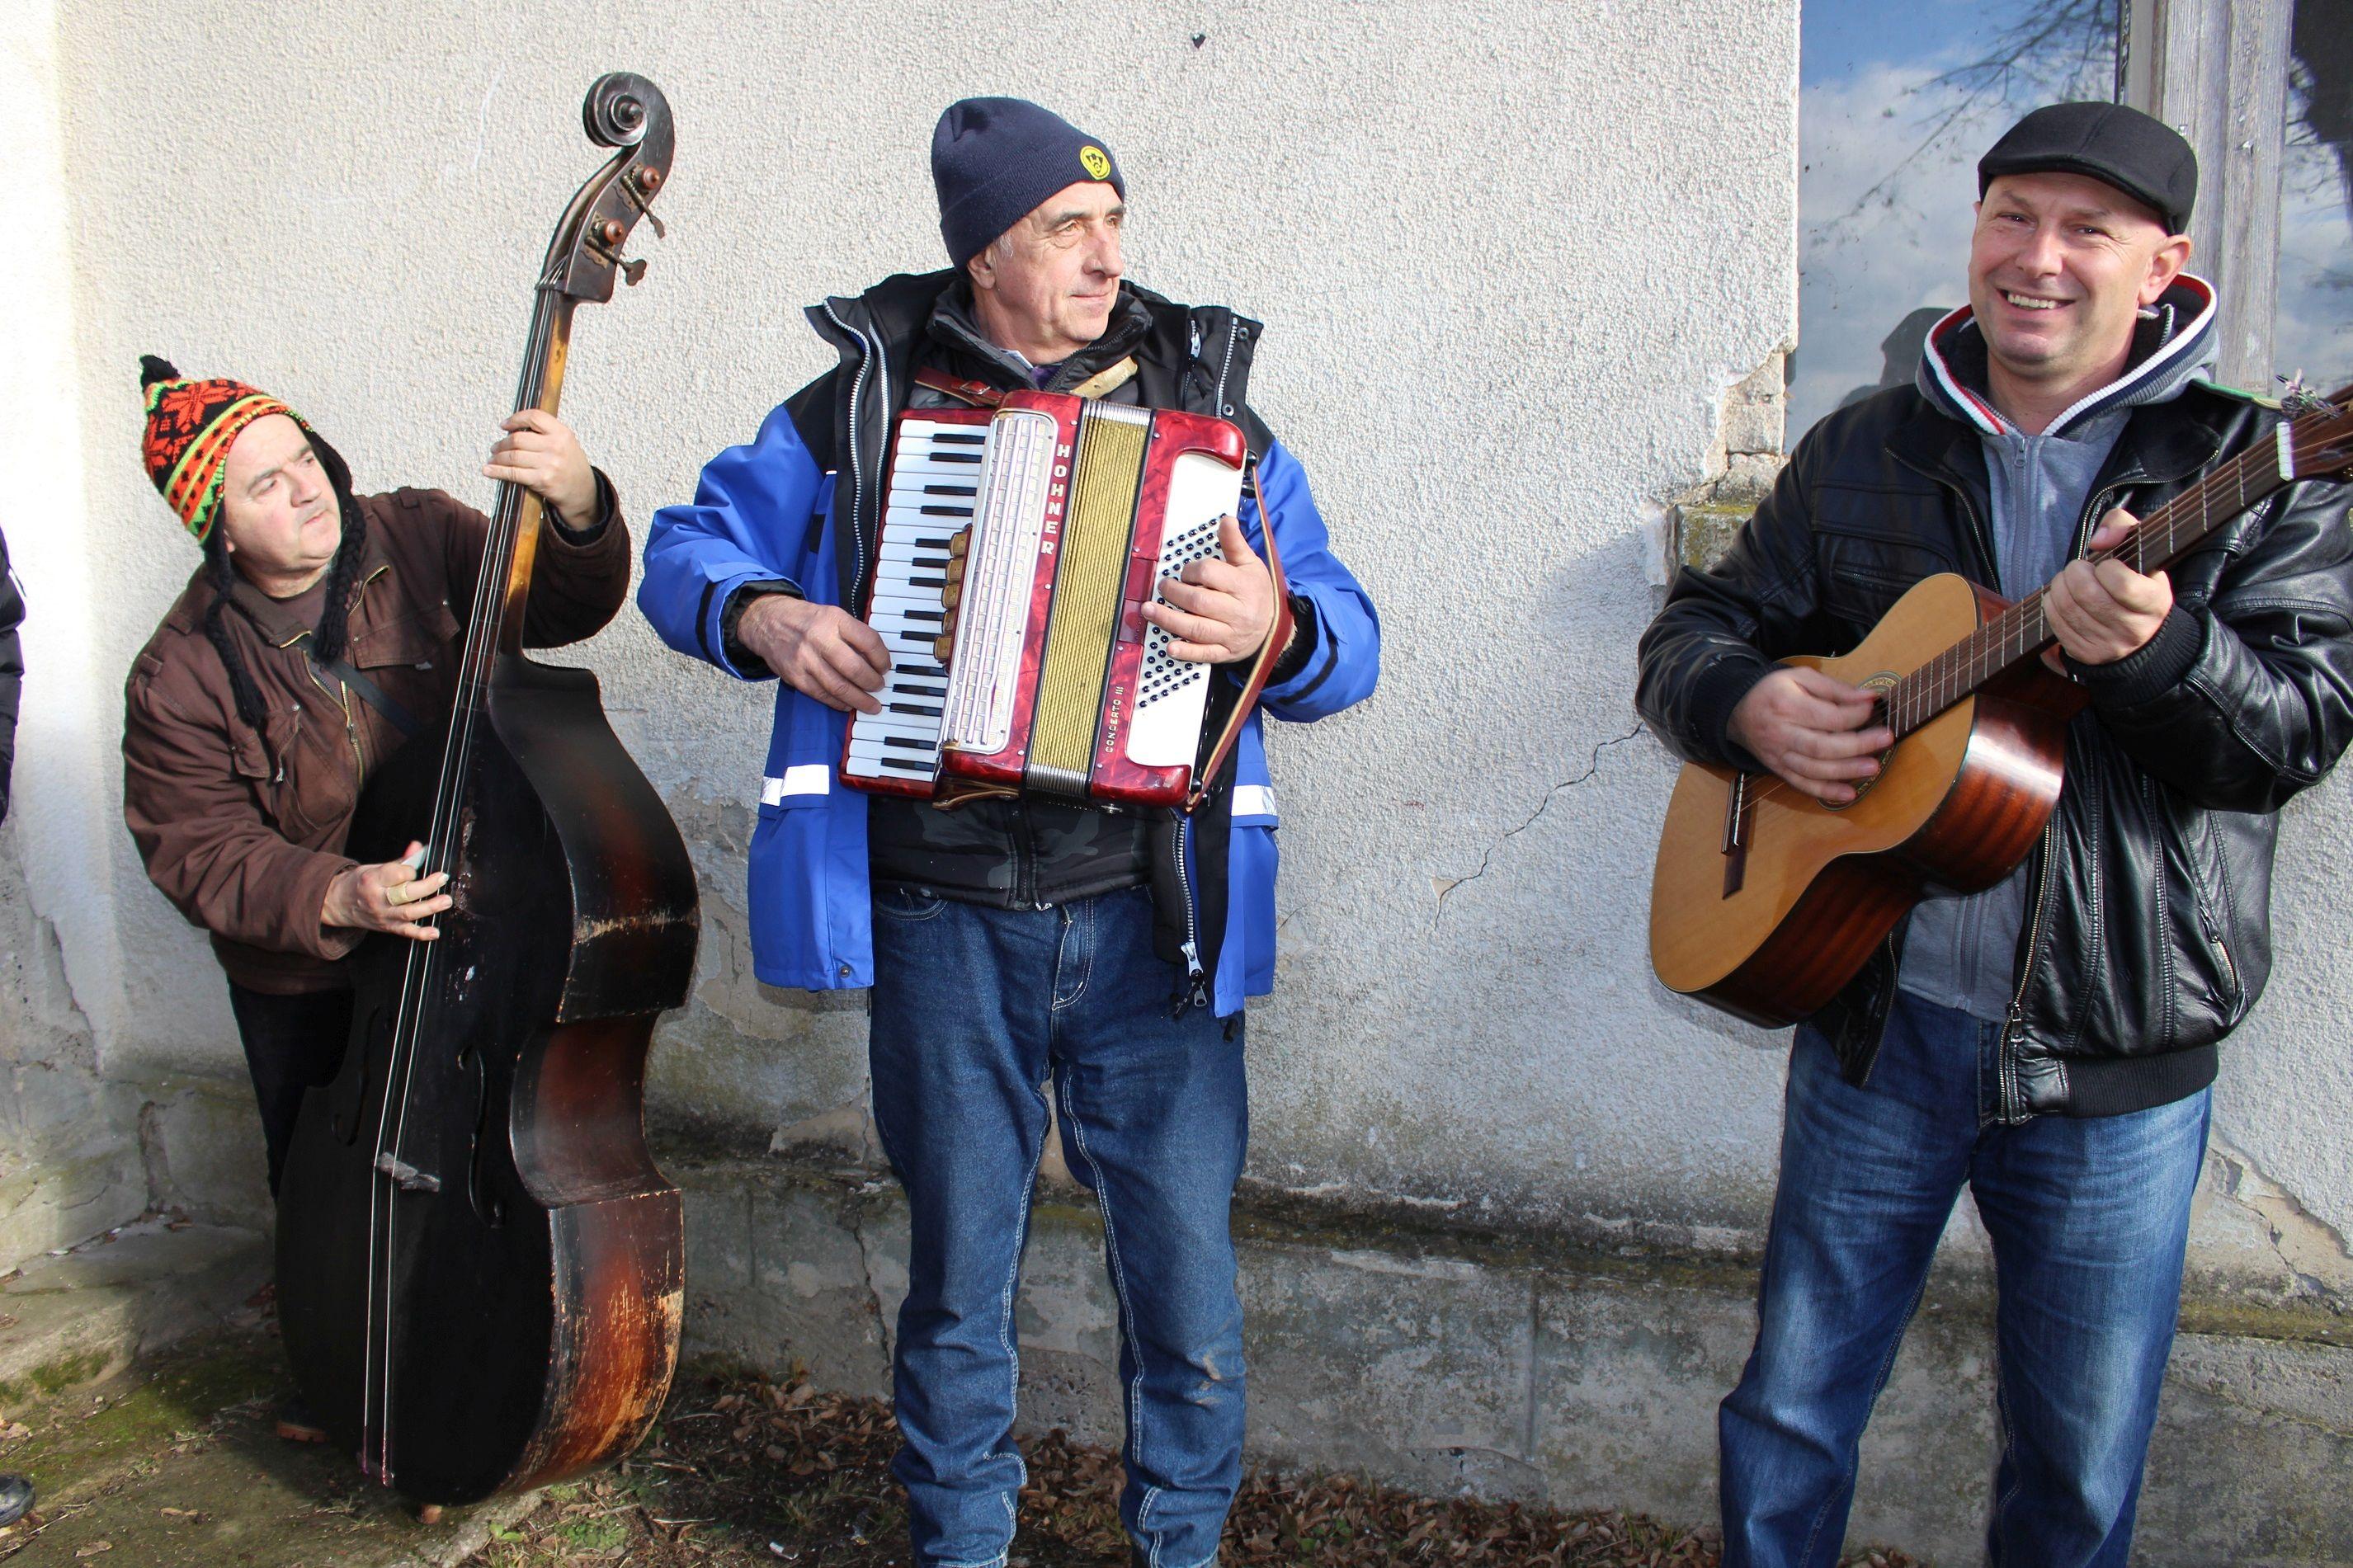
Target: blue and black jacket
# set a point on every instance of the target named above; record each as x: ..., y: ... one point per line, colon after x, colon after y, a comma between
x: 802, y: 504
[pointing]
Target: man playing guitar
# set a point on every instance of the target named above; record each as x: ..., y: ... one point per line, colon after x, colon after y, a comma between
x: 2049, y: 1042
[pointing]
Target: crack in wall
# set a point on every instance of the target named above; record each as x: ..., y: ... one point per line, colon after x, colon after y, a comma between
x: 856, y: 1208
x: 1593, y: 766
x: 1535, y: 1368
x: 2313, y: 1252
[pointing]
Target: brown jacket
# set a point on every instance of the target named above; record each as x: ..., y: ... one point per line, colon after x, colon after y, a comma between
x: 243, y: 830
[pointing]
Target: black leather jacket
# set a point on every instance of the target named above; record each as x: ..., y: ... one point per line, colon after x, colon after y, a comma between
x: 2147, y: 933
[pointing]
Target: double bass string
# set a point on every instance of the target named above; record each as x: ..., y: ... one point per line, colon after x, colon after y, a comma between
x: 483, y: 629
x: 479, y: 649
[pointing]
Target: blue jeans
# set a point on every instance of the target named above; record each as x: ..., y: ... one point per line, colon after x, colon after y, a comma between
x: 2089, y: 1219
x: 978, y: 1011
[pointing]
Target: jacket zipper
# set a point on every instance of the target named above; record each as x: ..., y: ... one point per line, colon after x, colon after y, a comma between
x: 292, y: 740
x: 341, y: 694
x: 1025, y: 858
x: 857, y: 460
x: 2209, y: 924
x: 1196, y: 992
x: 1225, y: 365
x: 2014, y: 1035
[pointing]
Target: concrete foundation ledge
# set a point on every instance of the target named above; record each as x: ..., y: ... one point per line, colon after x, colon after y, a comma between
x: 1518, y: 1366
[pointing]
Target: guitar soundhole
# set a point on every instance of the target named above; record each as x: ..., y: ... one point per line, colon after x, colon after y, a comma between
x: 1882, y: 683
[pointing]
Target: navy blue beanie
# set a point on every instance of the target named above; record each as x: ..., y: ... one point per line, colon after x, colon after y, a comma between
x: 994, y: 159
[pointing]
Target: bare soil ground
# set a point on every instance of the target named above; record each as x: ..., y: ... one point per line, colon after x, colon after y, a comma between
x: 742, y: 1472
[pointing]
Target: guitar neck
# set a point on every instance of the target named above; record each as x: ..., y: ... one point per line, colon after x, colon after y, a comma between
x: 2023, y: 631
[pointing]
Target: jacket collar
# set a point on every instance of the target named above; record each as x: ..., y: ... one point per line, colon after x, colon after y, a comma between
x: 2162, y: 444
x: 955, y: 326
x: 2169, y: 350
x: 2173, y: 433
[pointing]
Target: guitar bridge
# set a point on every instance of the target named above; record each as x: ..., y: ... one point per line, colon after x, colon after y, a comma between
x: 1738, y: 819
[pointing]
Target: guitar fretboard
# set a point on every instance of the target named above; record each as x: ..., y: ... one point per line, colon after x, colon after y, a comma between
x: 2023, y: 631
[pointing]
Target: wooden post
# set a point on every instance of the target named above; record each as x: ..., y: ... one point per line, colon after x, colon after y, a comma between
x: 2216, y: 70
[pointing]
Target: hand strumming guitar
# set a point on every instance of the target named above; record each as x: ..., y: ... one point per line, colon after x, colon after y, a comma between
x: 1807, y: 728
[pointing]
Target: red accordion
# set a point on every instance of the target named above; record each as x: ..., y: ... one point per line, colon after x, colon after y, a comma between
x: 1020, y: 546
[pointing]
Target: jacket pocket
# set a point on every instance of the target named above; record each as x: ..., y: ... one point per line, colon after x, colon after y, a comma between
x: 1253, y: 860
x: 300, y: 770
x: 1871, y: 547
x: 421, y: 637
x: 1862, y: 578
x: 2210, y: 884
x: 2204, y: 992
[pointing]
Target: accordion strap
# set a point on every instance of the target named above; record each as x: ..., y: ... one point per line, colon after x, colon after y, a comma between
x: 1277, y: 637
x: 980, y: 395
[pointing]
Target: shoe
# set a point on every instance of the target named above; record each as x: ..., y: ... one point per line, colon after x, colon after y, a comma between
x: 295, y: 1424
x: 15, y: 1497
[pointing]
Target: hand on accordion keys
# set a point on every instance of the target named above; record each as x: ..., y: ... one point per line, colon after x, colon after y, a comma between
x: 819, y: 649
x: 1220, y: 610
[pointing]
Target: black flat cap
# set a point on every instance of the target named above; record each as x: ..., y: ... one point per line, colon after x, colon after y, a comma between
x: 2138, y: 154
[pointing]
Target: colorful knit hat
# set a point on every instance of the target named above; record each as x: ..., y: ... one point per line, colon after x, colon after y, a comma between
x: 191, y: 425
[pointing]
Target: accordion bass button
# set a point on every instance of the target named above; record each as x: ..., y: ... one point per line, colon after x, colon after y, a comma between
x: 955, y: 566
x: 950, y: 594
x: 960, y: 542
x: 942, y: 646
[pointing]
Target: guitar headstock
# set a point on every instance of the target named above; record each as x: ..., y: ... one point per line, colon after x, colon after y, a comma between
x: 2321, y: 440
x: 623, y: 110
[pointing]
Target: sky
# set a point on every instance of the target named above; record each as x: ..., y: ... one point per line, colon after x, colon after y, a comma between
x: 1885, y: 194
x: 2316, y: 281
x: 1888, y: 155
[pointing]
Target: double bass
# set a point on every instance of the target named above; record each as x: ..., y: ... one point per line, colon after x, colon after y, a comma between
x: 481, y: 1268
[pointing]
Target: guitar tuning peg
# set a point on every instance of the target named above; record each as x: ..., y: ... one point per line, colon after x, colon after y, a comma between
x: 659, y: 232
x: 631, y: 271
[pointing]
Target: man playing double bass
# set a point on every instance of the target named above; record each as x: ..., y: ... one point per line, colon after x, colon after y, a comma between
x: 320, y: 631
x: 2049, y: 1042
x: 1018, y: 947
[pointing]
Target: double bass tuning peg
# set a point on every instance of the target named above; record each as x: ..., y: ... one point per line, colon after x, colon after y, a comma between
x: 610, y: 234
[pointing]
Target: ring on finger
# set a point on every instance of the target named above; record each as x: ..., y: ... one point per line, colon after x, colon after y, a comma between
x: 397, y: 895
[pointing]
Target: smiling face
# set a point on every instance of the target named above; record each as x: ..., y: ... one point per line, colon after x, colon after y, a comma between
x: 279, y: 514
x: 2058, y: 268
x: 1045, y: 287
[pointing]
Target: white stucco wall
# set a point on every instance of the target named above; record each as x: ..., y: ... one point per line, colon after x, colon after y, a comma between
x: 1509, y: 255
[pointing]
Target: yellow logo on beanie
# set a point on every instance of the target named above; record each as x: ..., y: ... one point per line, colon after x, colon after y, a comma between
x: 1096, y: 162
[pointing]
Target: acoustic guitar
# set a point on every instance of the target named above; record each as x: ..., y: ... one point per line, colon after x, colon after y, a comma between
x: 1765, y: 902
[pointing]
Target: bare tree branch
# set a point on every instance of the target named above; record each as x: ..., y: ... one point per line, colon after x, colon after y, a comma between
x: 2051, y: 51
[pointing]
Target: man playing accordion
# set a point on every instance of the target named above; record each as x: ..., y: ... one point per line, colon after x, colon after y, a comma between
x: 1025, y: 945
